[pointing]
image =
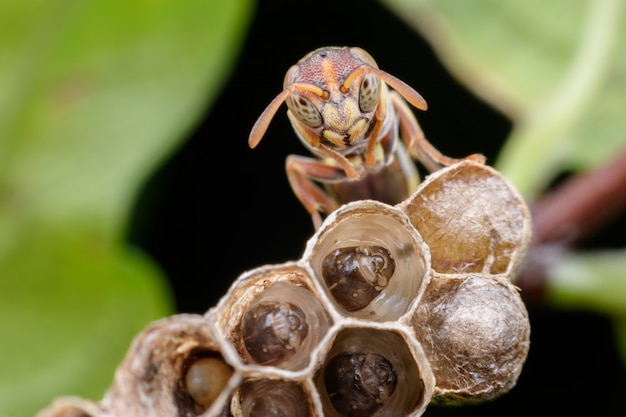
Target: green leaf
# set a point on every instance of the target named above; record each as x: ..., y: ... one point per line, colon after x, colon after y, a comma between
x: 593, y: 280
x: 95, y: 95
x: 99, y: 92
x: 69, y: 307
x: 557, y: 69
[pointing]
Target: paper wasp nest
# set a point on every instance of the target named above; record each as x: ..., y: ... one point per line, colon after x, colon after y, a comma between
x: 390, y: 308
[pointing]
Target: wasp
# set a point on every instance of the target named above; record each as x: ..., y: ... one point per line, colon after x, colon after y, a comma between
x: 354, y: 118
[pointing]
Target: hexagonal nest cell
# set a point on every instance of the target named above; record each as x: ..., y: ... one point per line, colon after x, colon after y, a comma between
x: 388, y: 309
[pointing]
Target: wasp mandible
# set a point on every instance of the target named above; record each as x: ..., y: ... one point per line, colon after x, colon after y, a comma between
x: 342, y: 109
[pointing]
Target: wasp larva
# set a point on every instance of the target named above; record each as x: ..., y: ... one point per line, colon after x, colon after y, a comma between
x: 273, y: 331
x: 274, y: 398
x: 356, y: 275
x: 359, y: 383
x: 206, y: 378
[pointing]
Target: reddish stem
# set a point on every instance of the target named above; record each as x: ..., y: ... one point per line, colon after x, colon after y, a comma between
x: 569, y: 214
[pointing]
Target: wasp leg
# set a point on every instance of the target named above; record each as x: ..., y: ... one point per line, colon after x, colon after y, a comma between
x: 416, y: 142
x: 301, y: 173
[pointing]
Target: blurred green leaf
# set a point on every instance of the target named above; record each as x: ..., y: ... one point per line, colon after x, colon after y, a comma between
x: 99, y: 92
x: 594, y: 280
x: 94, y: 96
x: 557, y: 69
x: 69, y: 308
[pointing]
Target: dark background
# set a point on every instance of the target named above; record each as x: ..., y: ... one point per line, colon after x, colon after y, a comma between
x: 218, y: 208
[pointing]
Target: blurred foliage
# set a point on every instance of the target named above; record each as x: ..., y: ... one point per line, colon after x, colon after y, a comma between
x: 558, y: 70
x: 94, y: 96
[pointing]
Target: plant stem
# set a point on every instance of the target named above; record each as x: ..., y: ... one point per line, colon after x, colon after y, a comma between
x: 568, y: 215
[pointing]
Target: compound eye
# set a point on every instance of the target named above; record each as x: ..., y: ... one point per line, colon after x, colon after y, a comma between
x: 369, y: 93
x: 304, y: 110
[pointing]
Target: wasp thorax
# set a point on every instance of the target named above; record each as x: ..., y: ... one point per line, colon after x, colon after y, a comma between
x: 388, y: 309
x: 356, y: 275
x: 273, y: 331
x: 369, y: 260
x: 274, y: 398
x: 359, y: 383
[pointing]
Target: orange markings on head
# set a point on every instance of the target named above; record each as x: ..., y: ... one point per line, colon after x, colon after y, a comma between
x: 325, y: 72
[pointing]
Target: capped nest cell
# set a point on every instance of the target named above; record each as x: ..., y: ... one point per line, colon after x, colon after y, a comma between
x: 390, y: 308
